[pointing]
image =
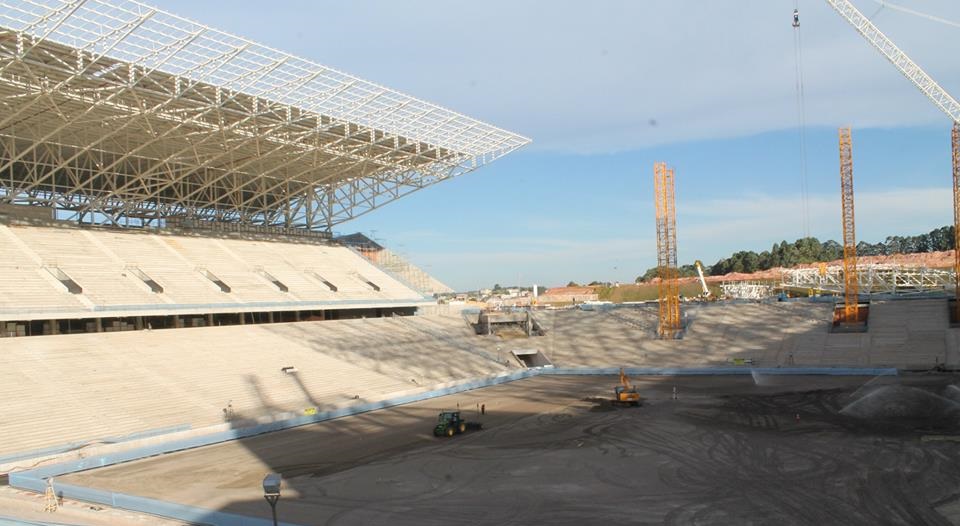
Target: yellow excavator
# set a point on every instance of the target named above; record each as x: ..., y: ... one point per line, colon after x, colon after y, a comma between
x: 625, y: 393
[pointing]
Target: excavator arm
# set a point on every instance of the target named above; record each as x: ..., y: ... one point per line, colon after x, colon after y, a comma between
x: 703, y: 282
x: 927, y: 86
x: 625, y: 393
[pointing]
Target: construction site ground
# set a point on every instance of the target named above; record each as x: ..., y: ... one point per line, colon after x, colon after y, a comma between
x: 690, y: 285
x: 728, y: 450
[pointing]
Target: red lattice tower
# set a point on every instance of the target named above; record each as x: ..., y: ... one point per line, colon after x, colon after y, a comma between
x: 851, y: 283
x: 668, y: 287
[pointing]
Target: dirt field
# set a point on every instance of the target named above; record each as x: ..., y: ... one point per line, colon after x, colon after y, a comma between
x: 730, y: 450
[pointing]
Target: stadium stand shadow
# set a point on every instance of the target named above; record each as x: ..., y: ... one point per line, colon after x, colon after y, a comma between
x: 227, y: 477
x: 404, y: 356
x: 386, y: 465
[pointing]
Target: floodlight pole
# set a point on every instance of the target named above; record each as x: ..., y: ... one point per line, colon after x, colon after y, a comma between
x: 271, y: 492
x: 272, y: 499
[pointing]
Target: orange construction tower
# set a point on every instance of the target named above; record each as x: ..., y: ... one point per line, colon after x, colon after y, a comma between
x: 955, y: 136
x: 668, y: 287
x: 850, y: 282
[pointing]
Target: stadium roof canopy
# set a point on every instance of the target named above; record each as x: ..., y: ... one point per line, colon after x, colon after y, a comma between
x: 114, y: 111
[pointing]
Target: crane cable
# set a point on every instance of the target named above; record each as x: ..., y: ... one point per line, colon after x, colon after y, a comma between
x: 884, y: 3
x: 801, y: 121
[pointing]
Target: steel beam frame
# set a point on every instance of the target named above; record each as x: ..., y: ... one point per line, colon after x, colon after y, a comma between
x: 115, y: 112
x: 668, y: 286
x: 851, y: 305
x: 746, y: 290
x: 955, y: 147
x: 913, y: 72
x: 871, y: 279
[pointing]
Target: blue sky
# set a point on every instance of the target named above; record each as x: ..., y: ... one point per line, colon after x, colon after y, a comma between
x: 607, y: 88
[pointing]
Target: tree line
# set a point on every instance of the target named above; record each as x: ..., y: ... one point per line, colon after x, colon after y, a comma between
x: 811, y: 250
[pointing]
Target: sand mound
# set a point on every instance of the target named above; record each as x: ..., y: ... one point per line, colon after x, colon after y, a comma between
x: 891, y: 404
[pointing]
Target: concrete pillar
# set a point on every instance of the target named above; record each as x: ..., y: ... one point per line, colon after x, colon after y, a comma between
x: 296, y: 315
x: 243, y: 318
x: 54, y: 327
x: 138, y: 323
x: 99, y: 322
x: 270, y: 317
x: 177, y: 322
x: 210, y: 320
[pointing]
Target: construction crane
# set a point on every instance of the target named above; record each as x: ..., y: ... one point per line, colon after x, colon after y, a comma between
x: 955, y: 140
x: 851, y: 283
x: 703, y: 282
x: 668, y: 286
x: 898, y: 58
x: 928, y: 87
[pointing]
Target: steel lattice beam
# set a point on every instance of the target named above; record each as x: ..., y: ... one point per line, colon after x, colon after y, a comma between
x: 898, y: 58
x: 746, y: 290
x: 118, y: 112
x: 668, y: 286
x: 851, y: 292
x: 871, y: 279
x: 955, y: 142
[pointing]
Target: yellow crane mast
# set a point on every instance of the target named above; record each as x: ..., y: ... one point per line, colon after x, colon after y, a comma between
x: 668, y: 287
x: 922, y: 81
x: 850, y: 282
x: 955, y: 140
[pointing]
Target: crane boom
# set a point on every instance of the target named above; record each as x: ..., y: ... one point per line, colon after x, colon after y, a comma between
x: 703, y: 282
x: 898, y: 58
x: 931, y: 89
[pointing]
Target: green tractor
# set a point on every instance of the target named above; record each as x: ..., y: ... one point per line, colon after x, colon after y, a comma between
x: 449, y: 423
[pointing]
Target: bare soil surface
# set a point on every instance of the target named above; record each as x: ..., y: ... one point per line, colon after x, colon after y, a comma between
x: 729, y: 450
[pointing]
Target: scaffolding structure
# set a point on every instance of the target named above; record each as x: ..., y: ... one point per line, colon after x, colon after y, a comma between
x: 747, y: 290
x: 668, y: 286
x: 871, y: 279
x: 955, y: 141
x: 115, y: 112
x: 851, y: 282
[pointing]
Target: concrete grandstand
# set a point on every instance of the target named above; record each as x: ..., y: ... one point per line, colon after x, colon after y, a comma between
x: 156, y: 173
x: 59, y: 279
x: 222, y: 154
x: 161, y: 174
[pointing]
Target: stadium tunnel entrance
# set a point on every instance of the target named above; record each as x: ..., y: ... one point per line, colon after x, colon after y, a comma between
x: 531, y: 358
x: 495, y: 322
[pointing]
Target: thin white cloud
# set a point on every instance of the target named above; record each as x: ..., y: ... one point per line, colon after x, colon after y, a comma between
x: 756, y: 221
x: 619, y: 75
